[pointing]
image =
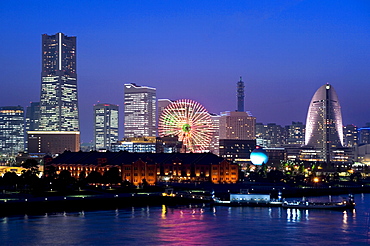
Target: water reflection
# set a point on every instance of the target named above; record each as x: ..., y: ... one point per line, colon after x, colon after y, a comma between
x: 191, y: 225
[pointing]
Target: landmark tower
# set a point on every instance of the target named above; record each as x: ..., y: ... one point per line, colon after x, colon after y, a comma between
x: 58, y: 99
x: 324, y: 129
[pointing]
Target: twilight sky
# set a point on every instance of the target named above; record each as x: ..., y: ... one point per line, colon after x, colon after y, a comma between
x: 285, y: 50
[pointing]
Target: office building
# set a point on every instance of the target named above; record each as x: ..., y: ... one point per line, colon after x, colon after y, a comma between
x: 53, y: 142
x: 214, y: 146
x: 162, y: 104
x: 148, y: 145
x: 271, y: 135
x: 364, y: 135
x: 237, y: 150
x: 324, y: 129
x: 140, y: 111
x: 237, y: 125
x: 295, y: 134
x: 33, y: 116
x: 105, y: 125
x: 11, y: 130
x: 32, y: 120
x: 58, y: 99
x: 350, y: 134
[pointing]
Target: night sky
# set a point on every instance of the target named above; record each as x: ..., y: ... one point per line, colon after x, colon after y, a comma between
x: 284, y: 50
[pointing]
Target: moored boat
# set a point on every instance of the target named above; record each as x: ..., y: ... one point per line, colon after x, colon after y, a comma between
x: 303, y: 204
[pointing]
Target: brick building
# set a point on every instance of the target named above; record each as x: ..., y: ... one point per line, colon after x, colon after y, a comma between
x: 153, y: 167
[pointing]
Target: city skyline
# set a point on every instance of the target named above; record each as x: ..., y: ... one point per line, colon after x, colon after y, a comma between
x: 284, y: 51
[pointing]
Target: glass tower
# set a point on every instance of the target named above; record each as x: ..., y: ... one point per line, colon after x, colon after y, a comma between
x: 58, y: 100
x: 105, y: 125
x: 11, y: 130
x: 140, y: 111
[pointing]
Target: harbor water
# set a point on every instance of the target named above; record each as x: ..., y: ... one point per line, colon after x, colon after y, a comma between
x: 192, y: 225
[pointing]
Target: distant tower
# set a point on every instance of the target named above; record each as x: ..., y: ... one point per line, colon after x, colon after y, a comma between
x: 324, y: 129
x: 105, y: 125
x: 240, y: 94
x: 140, y: 111
x: 58, y: 100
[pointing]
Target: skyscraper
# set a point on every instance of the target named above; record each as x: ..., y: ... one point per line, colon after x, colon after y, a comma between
x: 105, y: 125
x: 58, y: 100
x: 324, y: 129
x: 11, y: 130
x: 140, y: 111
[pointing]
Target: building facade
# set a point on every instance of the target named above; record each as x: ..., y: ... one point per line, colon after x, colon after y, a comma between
x: 140, y: 111
x: 53, y: 142
x: 11, y: 130
x: 105, y: 125
x: 58, y: 99
x: 350, y: 134
x: 324, y: 129
x: 237, y: 125
x: 151, y: 167
x: 214, y: 146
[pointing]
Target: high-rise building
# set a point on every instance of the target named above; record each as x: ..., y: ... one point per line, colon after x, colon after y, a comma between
x: 270, y: 135
x: 32, y: 120
x: 214, y: 146
x: 58, y: 100
x: 33, y: 116
x: 364, y: 135
x: 105, y: 125
x: 11, y: 130
x: 350, y: 134
x: 240, y: 95
x: 324, y: 129
x: 296, y: 133
x: 162, y: 103
x: 237, y: 125
x: 140, y: 111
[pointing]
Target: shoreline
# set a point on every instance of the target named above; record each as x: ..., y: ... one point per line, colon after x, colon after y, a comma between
x: 23, y: 204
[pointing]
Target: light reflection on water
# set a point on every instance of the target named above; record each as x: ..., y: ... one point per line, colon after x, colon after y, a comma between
x: 192, y: 226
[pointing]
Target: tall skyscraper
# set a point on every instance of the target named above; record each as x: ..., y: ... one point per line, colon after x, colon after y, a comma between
x: 140, y: 111
x: 58, y: 100
x: 324, y: 129
x: 240, y: 95
x: 105, y: 125
x: 11, y: 130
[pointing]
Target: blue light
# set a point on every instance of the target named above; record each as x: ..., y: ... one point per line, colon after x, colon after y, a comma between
x: 259, y: 156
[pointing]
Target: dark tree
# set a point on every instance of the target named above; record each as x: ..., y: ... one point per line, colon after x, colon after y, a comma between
x: 10, y: 179
x: 32, y: 165
x: 112, y: 176
x: 94, y: 177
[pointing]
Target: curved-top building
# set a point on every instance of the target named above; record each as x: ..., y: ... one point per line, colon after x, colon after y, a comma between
x: 324, y: 129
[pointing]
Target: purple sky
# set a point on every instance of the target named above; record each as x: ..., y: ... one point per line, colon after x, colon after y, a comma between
x: 285, y: 50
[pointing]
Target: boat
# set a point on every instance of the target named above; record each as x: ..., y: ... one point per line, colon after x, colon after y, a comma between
x: 250, y: 200
x: 303, y: 204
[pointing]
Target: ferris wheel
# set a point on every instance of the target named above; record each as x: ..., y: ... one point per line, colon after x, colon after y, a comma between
x: 190, y: 122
